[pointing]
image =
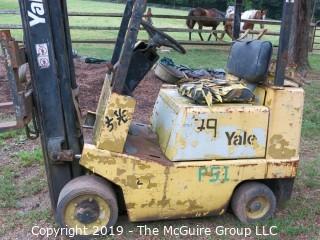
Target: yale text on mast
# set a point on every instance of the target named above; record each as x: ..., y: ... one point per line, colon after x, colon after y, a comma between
x: 36, y: 12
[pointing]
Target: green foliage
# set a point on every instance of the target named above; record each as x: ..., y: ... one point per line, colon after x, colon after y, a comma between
x: 29, y: 158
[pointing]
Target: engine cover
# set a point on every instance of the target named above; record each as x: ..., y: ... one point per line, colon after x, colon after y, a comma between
x: 190, y: 132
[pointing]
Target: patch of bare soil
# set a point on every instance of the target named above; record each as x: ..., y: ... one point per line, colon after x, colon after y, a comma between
x: 90, y: 79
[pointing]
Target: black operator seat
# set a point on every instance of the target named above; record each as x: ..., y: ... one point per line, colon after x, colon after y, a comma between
x: 249, y: 60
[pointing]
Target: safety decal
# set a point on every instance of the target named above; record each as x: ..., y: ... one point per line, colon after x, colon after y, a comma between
x: 43, y: 55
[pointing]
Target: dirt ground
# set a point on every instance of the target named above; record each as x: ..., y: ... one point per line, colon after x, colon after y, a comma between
x: 90, y: 79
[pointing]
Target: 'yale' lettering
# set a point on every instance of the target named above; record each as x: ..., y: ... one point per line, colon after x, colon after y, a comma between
x: 36, y: 13
x: 240, y: 139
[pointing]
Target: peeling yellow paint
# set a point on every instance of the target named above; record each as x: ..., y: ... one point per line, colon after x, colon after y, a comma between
x: 286, y: 107
x: 279, y: 148
x: 159, y: 191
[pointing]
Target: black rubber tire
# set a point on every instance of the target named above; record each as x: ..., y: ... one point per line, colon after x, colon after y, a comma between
x: 89, y: 184
x: 247, y: 192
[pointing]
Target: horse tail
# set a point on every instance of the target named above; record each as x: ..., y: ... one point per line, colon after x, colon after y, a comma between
x: 190, y: 22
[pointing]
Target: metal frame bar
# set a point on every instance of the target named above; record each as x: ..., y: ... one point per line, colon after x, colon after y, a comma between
x: 122, y: 32
x: 119, y: 77
x: 283, y: 50
x: 237, y: 19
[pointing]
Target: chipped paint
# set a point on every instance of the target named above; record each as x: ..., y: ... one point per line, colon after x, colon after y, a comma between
x: 162, y: 191
x: 120, y: 171
x: 114, y: 116
x: 286, y: 108
x: 278, y: 148
x: 166, y: 189
x: 201, y: 134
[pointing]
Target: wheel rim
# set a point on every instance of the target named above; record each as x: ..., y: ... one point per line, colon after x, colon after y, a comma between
x: 257, y: 207
x: 89, y: 212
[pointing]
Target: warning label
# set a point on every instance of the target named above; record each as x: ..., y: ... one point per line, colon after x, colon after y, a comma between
x: 43, y: 55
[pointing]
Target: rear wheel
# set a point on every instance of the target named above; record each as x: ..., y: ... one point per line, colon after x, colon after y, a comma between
x: 88, y: 205
x: 252, y: 202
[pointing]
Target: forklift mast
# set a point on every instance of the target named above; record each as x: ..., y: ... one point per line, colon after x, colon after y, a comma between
x: 54, y: 88
x: 49, y: 53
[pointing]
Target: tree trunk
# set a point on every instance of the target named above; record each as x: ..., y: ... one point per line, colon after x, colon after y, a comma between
x: 299, y: 42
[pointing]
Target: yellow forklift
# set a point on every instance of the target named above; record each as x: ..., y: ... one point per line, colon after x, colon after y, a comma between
x: 193, y: 160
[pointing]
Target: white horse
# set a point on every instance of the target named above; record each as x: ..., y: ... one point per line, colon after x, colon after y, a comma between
x: 247, y: 15
x: 252, y: 14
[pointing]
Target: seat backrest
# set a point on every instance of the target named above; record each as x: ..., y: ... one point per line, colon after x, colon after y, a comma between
x: 249, y: 60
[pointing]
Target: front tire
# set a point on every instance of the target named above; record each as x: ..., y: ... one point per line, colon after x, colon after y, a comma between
x: 87, y: 204
x: 253, y: 202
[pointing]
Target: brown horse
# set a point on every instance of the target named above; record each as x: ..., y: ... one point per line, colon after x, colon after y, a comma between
x: 201, y: 12
x: 247, y: 15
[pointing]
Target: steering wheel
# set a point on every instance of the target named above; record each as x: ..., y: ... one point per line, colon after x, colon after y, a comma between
x: 158, y: 38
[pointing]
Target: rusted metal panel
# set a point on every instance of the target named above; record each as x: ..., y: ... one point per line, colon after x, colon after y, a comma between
x: 189, y: 132
x: 142, y: 142
x: 16, y: 71
x: 282, y: 168
x: 286, y: 111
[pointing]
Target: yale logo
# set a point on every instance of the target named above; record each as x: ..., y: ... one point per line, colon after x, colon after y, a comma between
x: 243, y: 139
x: 36, y: 13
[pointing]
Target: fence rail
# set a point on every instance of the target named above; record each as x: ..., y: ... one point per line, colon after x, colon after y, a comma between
x: 170, y: 30
x: 177, y: 17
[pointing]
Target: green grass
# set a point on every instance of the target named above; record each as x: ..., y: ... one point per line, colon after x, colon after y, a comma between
x: 311, y: 120
x: 8, y: 196
x: 29, y: 158
x: 105, y: 50
x: 315, y: 61
x: 32, y: 217
x: 32, y: 186
x: 310, y: 174
x: 9, y: 4
x: 11, y: 134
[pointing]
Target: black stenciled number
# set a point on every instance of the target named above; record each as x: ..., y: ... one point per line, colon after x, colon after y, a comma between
x: 210, y: 124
